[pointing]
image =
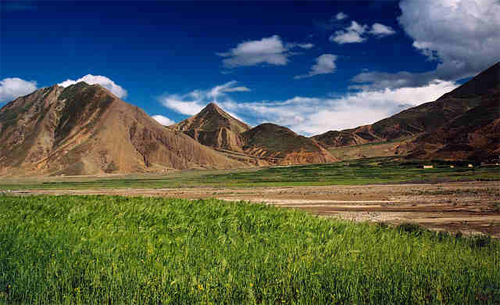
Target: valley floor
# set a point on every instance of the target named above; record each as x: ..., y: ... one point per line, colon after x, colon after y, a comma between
x: 470, y: 207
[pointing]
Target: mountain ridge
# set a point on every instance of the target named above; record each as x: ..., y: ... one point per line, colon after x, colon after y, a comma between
x: 214, y: 127
x: 427, y: 118
x: 85, y: 129
x: 265, y: 144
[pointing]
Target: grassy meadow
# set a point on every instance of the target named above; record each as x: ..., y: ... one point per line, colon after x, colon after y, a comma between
x: 120, y: 250
x: 363, y: 171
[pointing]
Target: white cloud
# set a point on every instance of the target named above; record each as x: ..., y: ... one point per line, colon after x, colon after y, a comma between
x: 12, y: 88
x: 163, y: 120
x: 342, y: 37
x: 250, y: 53
x: 194, y: 101
x: 383, y: 80
x: 352, y: 34
x: 306, y: 45
x: 270, y: 50
x: 461, y: 35
x: 101, y: 80
x: 381, y: 30
x: 311, y: 115
x: 325, y: 64
x: 227, y: 87
x: 356, y: 33
x: 341, y: 16
x: 179, y: 104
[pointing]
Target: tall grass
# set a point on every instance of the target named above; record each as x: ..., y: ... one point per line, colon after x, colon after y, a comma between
x: 120, y: 250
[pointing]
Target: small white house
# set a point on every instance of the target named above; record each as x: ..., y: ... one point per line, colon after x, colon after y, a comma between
x: 428, y: 166
x: 470, y: 165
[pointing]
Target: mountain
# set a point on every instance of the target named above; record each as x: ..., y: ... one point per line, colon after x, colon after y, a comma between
x: 263, y: 145
x: 408, y: 123
x: 356, y: 136
x: 85, y: 129
x: 280, y: 145
x: 474, y: 136
x: 485, y: 82
x: 438, y: 126
x: 215, y: 128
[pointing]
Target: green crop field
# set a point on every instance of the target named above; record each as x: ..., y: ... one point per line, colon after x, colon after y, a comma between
x: 120, y: 250
x: 365, y: 171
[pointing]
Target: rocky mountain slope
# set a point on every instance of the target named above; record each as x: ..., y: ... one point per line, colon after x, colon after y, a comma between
x: 263, y: 145
x: 475, y: 135
x: 280, y: 145
x: 84, y: 129
x: 462, y: 124
x: 421, y: 119
x: 215, y: 128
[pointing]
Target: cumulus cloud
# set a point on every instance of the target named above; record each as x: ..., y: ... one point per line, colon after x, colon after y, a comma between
x: 325, y: 64
x: 194, y: 101
x: 460, y: 35
x: 306, y: 45
x: 341, y: 16
x: 351, y: 34
x: 98, y: 79
x: 383, y: 80
x: 313, y: 115
x: 181, y: 104
x: 163, y: 120
x: 270, y: 50
x: 381, y: 30
x: 12, y: 88
x: 356, y: 33
x: 227, y: 87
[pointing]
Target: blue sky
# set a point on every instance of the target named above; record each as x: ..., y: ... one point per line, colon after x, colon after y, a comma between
x: 310, y: 65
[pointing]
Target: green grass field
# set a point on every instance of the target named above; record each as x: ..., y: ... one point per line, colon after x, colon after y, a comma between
x: 119, y: 250
x: 366, y: 171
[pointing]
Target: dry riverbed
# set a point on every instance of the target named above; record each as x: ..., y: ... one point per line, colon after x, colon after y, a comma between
x: 468, y: 207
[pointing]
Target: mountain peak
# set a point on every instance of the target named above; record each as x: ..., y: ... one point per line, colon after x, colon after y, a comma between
x: 214, y: 127
x: 480, y: 84
x: 85, y: 129
x: 212, y: 118
x: 214, y: 108
x: 212, y: 105
x: 273, y: 141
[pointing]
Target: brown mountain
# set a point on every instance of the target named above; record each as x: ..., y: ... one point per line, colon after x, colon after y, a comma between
x: 263, y: 145
x: 280, y: 145
x: 434, y: 120
x: 215, y: 128
x: 475, y: 135
x: 85, y: 129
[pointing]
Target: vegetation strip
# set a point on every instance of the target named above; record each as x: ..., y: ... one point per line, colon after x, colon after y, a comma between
x: 366, y: 171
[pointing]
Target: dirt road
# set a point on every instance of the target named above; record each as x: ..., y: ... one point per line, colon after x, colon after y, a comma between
x: 468, y: 207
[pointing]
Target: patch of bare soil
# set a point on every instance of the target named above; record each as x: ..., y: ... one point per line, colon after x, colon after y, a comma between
x: 468, y: 207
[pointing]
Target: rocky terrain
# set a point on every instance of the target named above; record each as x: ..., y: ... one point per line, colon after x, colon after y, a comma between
x: 215, y: 128
x: 279, y: 145
x: 462, y: 124
x: 84, y: 129
x: 264, y: 144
